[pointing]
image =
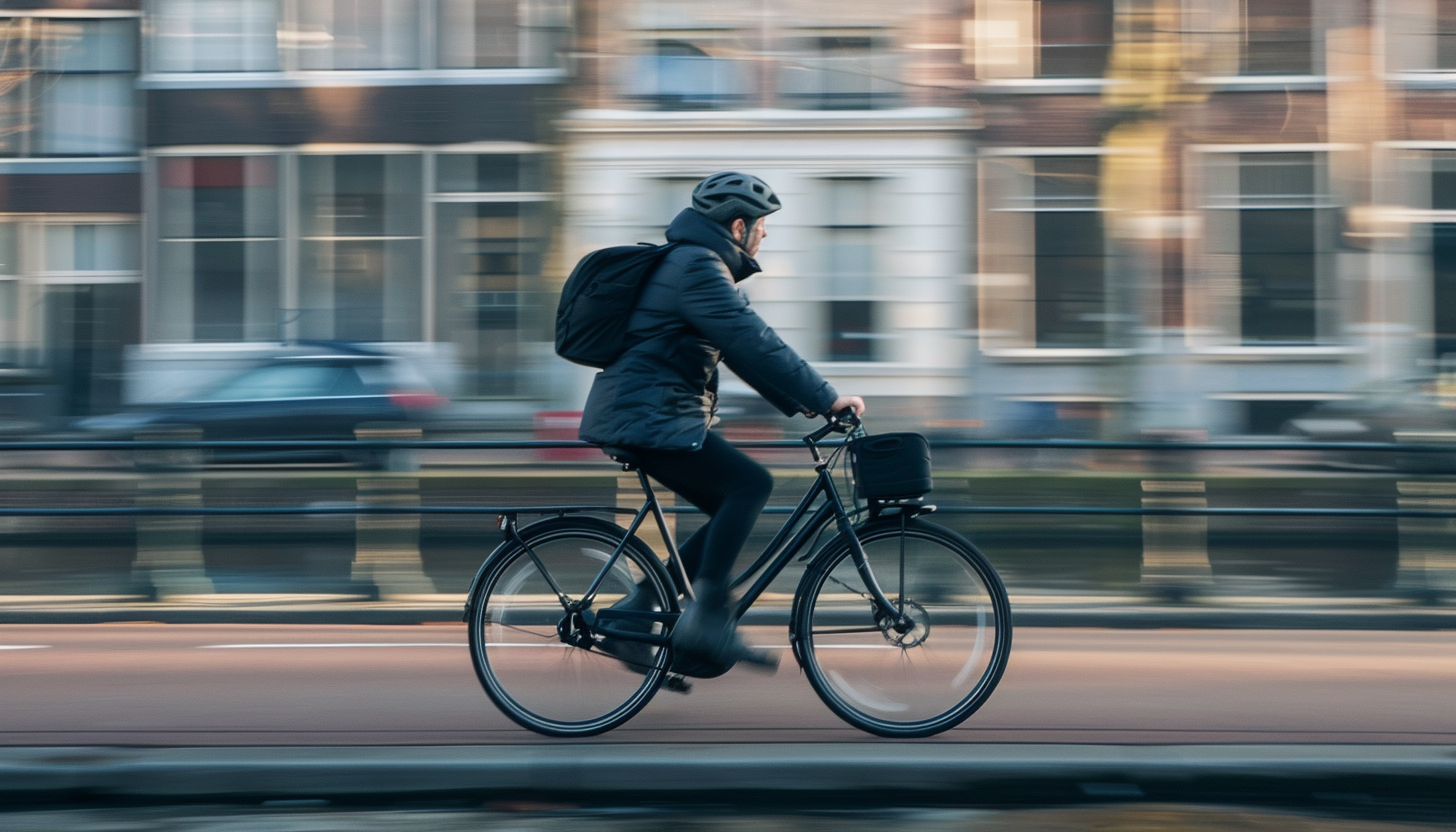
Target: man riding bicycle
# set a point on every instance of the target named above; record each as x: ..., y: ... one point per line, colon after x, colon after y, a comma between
x: 658, y: 400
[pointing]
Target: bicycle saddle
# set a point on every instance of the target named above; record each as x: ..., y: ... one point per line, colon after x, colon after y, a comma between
x: 628, y: 459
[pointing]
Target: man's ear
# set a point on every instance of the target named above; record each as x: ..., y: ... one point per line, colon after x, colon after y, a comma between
x: 739, y: 230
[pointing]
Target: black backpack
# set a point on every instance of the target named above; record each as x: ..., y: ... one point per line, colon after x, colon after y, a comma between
x: 591, y: 319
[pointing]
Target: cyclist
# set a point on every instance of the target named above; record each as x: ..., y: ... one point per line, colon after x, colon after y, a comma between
x: 658, y: 400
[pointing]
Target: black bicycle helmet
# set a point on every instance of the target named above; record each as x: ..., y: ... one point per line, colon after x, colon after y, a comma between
x: 724, y: 197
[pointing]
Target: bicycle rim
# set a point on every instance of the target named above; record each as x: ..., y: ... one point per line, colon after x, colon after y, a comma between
x: 908, y: 684
x: 516, y: 625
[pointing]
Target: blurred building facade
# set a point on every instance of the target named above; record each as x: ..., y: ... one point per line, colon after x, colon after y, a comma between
x: 218, y: 172
x: 854, y: 112
x: 70, y: 203
x: 1069, y: 217
x: 1209, y: 214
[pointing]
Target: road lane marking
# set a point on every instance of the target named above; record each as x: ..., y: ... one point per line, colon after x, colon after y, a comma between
x: 339, y: 644
x: 463, y: 644
x: 24, y: 646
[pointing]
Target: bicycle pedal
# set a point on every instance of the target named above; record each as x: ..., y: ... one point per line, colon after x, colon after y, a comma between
x: 678, y: 684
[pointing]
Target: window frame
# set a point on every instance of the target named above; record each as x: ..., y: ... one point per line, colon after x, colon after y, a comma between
x: 878, y: 296
x: 724, y: 69
x: 290, y: 230
x: 31, y: 276
x: 430, y: 63
x: 1006, y: 297
x: 1039, y: 58
x: 883, y: 89
x: 528, y: 311
x: 1221, y: 30
x: 1213, y: 293
x: 31, y: 106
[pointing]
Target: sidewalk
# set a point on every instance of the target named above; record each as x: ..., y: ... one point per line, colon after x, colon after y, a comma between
x: 1226, y: 611
x: 843, y: 775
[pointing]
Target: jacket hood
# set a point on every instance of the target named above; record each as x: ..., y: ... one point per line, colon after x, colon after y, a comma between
x: 691, y: 227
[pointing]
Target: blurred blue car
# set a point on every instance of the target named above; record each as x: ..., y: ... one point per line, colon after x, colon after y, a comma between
x: 307, y: 397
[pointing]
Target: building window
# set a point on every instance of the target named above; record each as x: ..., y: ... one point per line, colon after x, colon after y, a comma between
x: 1445, y: 32
x: 1278, y: 37
x: 1277, y: 251
x: 354, y: 34
x: 1268, y: 235
x: 1074, y: 38
x: 92, y: 250
x: 849, y: 258
x: 1044, y: 261
x: 1443, y: 253
x: 490, y: 173
x: 345, y: 258
x: 84, y: 298
x: 214, y: 35
x: 11, y: 338
x: 69, y: 87
x: 840, y: 72
x: 1070, y: 254
x: 491, y: 226
x: 502, y: 33
x: 273, y: 35
x: 360, y: 237
x: 676, y: 74
x: 218, y: 257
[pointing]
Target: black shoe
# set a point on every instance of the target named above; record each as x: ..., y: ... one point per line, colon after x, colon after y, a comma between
x: 708, y: 633
x: 638, y: 656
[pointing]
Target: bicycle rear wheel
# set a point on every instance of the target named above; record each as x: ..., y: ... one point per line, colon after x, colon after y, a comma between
x: 910, y: 684
x: 541, y: 662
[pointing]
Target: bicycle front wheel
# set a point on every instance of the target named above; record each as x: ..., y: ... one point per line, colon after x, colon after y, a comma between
x: 542, y: 662
x: 922, y: 681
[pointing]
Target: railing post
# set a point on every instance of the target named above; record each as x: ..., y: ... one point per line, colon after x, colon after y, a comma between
x: 169, y: 548
x: 1427, y: 559
x: 1175, y: 548
x: 387, y: 546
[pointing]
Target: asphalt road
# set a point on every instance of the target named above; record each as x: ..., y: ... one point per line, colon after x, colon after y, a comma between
x: 211, y: 685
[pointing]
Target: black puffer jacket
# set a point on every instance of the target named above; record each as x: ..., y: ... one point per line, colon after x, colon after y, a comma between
x: 663, y: 391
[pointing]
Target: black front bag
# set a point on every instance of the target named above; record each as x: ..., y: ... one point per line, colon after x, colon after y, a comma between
x: 891, y: 466
x: 591, y: 319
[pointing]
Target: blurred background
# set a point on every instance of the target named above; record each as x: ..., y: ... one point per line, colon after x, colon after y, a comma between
x: 1096, y: 219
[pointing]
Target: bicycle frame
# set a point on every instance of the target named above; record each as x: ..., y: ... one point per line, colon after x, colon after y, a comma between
x: 779, y: 552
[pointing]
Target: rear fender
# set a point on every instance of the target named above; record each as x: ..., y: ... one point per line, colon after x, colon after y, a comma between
x: 540, y: 526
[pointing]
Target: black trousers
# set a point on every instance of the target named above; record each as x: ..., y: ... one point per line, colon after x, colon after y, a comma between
x: 725, y: 484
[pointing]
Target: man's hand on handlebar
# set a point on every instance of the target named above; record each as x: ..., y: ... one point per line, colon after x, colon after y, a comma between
x: 846, y: 402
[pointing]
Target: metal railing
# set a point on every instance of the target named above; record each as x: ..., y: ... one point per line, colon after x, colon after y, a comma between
x: 1160, y: 447
x: 1172, y: 499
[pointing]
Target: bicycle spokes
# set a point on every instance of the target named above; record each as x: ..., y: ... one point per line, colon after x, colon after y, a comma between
x: 920, y: 663
x: 541, y: 649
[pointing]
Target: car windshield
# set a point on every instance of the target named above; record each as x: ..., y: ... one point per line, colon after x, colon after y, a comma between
x: 285, y: 381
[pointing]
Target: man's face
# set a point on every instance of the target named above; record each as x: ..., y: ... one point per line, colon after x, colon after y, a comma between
x: 756, y: 234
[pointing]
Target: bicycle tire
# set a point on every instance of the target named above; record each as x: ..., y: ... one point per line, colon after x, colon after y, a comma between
x: 521, y: 653
x: 903, y: 685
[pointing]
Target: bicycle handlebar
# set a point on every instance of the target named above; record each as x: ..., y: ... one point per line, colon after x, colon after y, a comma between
x: 842, y: 422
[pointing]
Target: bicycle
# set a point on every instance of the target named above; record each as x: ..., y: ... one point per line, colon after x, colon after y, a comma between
x: 901, y: 625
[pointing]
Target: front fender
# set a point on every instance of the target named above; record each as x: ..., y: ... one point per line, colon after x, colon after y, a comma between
x: 826, y: 551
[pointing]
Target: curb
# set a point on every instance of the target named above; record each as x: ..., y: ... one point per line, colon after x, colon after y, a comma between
x: 836, y: 773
